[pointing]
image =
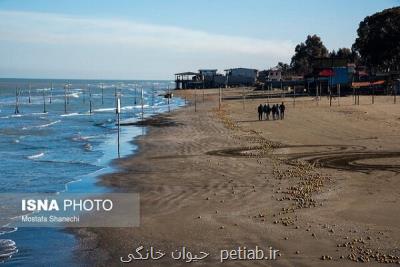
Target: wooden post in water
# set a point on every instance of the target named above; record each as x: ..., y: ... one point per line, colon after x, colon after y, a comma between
x: 44, y: 101
x: 68, y: 88
x: 118, y: 111
x: 168, y: 98
x: 84, y: 93
x: 102, y: 93
x: 135, y: 97
x: 16, y: 100
x: 152, y: 95
x: 338, y: 94
x: 115, y: 95
x: 90, y: 101
x: 142, y: 100
x: 65, y: 99
x: 29, y: 97
x: 51, y: 92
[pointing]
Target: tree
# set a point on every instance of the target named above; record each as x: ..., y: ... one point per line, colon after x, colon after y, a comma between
x: 306, y: 52
x: 378, y: 40
x: 346, y: 53
x: 284, y: 67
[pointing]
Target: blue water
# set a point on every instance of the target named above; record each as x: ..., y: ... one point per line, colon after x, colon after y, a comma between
x: 57, y: 151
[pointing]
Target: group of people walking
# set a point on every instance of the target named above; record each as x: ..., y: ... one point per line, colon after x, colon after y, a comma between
x: 277, y: 111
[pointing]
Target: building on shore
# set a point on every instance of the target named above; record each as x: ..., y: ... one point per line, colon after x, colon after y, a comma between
x: 274, y: 74
x: 188, y: 80
x: 241, y: 77
x: 210, y: 78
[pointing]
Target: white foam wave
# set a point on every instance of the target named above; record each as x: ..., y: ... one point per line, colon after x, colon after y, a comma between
x: 48, y: 124
x: 36, y: 156
x: 75, y: 95
x: 7, y: 249
x: 73, y: 114
x: 104, y: 109
x: 7, y: 230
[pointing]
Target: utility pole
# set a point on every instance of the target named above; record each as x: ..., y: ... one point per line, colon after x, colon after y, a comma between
x: 219, y: 99
x: 244, y: 99
x: 294, y: 95
x: 373, y: 95
x: 195, y: 100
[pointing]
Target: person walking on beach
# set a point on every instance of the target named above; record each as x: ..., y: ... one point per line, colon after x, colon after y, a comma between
x: 268, y: 111
x: 282, y: 109
x: 260, y: 112
x: 273, y: 112
x: 265, y: 111
x: 277, y: 111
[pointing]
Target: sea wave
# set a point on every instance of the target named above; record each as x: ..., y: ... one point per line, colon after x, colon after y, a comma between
x: 122, y: 108
x: 75, y: 95
x: 7, y: 249
x: 73, y: 114
x: 36, y: 156
x: 48, y: 124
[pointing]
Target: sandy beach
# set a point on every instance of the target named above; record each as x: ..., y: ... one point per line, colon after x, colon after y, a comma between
x: 320, y: 186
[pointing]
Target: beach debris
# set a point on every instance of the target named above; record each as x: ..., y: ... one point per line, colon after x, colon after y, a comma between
x: 326, y: 257
x: 313, y: 235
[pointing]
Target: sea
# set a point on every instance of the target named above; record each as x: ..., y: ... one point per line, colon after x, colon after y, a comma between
x: 60, y: 136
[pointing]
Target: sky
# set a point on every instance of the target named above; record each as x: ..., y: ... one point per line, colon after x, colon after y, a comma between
x: 153, y: 39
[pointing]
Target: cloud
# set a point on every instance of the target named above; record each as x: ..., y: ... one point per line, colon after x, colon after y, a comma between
x: 56, y: 28
x: 91, y: 46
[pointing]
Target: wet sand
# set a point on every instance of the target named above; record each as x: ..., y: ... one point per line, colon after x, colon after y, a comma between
x: 322, y: 186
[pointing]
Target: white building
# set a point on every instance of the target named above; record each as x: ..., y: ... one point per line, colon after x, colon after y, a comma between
x: 274, y: 74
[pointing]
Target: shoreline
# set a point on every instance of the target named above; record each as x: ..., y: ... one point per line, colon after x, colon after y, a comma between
x: 188, y: 171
